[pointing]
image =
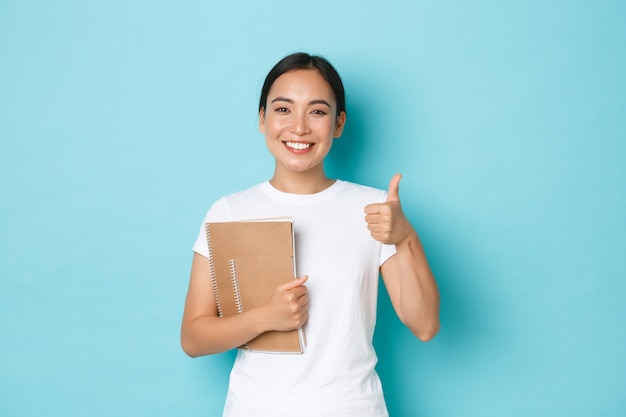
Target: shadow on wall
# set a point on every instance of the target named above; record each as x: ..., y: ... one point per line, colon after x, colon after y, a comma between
x: 354, y: 156
x: 344, y: 160
x: 407, y: 366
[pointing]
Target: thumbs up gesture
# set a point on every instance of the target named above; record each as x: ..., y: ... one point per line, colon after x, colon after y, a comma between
x: 386, y: 221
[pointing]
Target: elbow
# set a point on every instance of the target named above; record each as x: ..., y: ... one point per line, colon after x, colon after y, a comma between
x: 424, y: 330
x: 192, y: 354
x: 427, y: 333
x: 190, y: 348
x: 194, y: 347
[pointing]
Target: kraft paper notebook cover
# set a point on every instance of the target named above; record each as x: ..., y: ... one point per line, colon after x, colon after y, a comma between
x: 248, y: 260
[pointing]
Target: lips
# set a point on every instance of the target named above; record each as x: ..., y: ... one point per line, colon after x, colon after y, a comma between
x: 298, y: 146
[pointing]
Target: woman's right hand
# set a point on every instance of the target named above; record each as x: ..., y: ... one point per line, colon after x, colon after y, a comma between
x: 288, y: 307
x: 203, y: 332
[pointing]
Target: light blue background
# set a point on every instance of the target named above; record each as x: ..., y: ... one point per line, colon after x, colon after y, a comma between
x: 121, y: 122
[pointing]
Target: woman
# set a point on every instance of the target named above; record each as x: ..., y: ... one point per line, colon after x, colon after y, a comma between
x: 345, y: 235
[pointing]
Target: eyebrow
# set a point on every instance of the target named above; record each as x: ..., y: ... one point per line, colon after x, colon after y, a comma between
x: 288, y: 100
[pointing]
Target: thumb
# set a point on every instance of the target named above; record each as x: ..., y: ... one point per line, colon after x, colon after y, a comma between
x: 296, y: 282
x: 394, y: 185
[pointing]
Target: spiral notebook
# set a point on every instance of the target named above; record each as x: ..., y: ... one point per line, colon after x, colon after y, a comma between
x: 248, y: 260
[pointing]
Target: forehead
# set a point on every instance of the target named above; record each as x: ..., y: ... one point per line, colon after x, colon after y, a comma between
x: 307, y: 83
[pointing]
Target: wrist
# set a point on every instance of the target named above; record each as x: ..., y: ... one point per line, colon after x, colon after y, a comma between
x: 409, y: 241
x: 259, y: 321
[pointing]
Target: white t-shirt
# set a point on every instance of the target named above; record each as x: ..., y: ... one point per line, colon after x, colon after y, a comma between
x: 336, y: 375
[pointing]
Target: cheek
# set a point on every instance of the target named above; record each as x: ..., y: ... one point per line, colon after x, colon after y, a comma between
x: 326, y: 127
x: 275, y: 125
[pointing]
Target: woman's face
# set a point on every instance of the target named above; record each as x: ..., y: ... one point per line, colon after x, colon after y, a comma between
x: 300, y: 121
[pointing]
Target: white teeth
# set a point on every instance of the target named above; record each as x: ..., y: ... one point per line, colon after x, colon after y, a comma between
x: 298, y: 145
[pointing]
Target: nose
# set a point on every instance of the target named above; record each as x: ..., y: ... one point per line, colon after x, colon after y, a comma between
x: 300, y: 125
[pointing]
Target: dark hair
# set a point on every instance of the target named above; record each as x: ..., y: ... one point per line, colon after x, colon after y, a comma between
x: 300, y: 61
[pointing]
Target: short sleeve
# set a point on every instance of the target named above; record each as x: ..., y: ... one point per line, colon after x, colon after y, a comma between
x: 386, y: 252
x: 217, y: 213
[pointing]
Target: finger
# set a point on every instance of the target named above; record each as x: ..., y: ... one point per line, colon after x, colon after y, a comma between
x: 303, y: 301
x: 385, y: 216
x: 298, y: 292
x: 373, y: 208
x: 294, y: 283
x: 372, y: 218
x: 394, y: 188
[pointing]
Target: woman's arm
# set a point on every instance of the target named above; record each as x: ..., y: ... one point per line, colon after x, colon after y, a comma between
x: 407, y: 276
x: 412, y: 288
x: 204, y: 333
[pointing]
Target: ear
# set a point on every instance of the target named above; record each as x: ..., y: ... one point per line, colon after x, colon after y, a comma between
x: 339, y: 124
x: 262, y: 120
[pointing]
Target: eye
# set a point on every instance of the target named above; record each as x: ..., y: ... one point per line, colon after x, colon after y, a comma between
x: 318, y: 112
x: 281, y: 110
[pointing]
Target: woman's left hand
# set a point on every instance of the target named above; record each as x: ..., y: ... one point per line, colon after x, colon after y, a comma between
x: 407, y: 275
x: 386, y: 221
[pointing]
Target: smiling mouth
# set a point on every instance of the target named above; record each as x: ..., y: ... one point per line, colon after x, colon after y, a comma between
x: 298, y: 146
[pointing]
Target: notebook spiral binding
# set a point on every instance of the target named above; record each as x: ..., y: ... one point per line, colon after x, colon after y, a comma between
x: 235, y: 281
x: 236, y: 292
x: 212, y: 272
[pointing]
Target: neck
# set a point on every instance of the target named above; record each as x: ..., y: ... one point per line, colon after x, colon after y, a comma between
x: 301, y: 182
